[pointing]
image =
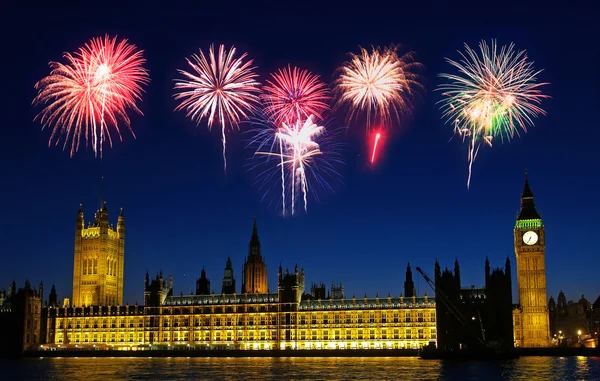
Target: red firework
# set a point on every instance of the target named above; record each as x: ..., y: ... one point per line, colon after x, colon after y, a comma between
x: 295, y: 94
x: 92, y: 92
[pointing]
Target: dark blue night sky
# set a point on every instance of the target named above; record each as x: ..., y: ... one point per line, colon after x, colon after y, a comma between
x: 183, y: 213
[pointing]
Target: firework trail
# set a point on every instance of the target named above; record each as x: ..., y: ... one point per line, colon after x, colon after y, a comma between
x: 221, y: 87
x: 91, y: 92
x: 302, y: 153
x: 377, y: 137
x: 494, y: 95
x: 294, y: 94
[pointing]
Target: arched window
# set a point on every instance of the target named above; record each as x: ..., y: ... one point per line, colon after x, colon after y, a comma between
x: 95, y: 266
x: 85, y: 266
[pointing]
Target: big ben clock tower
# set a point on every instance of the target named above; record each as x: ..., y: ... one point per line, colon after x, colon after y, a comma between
x: 530, y: 247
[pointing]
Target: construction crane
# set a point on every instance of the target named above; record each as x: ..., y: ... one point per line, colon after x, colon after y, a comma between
x: 439, y: 295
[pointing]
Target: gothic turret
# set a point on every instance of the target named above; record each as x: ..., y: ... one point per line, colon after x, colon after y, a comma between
x: 409, y: 285
x: 487, y: 271
x: 507, y: 270
x: 203, y: 284
x: 457, y: 273
x: 228, y: 279
x: 53, y: 298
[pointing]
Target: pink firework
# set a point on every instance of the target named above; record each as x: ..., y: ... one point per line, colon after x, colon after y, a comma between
x: 221, y: 87
x: 294, y: 94
x: 92, y: 92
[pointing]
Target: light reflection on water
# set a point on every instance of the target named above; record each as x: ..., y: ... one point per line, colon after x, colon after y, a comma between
x: 323, y: 368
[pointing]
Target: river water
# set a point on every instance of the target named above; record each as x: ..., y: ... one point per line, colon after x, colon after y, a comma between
x: 326, y: 368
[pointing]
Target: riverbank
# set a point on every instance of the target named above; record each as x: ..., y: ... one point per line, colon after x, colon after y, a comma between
x: 552, y: 352
x: 227, y: 353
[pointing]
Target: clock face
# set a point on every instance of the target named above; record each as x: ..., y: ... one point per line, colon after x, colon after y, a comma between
x: 530, y: 238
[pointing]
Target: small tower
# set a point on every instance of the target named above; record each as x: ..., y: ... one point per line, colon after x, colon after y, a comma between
x: 203, y: 284
x: 228, y: 279
x: 289, y: 288
x: 254, y: 276
x: 457, y: 273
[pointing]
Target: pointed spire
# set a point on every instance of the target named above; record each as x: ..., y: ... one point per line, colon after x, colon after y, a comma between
x: 121, y: 213
x: 528, y: 210
x: 102, y: 192
x: 527, y: 193
x: 254, y: 246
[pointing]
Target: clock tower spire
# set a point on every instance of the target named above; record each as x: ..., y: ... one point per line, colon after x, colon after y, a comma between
x: 530, y: 248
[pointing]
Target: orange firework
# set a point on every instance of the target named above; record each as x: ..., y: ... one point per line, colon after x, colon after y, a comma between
x: 379, y: 83
x: 92, y: 92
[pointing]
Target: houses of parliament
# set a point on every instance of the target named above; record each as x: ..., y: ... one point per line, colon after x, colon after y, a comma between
x: 288, y: 315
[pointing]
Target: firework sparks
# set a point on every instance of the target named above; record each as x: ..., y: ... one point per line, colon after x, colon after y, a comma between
x: 302, y: 151
x: 495, y: 95
x: 380, y: 84
x: 92, y: 92
x: 294, y: 94
x: 221, y: 87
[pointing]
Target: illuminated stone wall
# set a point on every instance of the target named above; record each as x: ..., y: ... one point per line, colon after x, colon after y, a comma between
x: 249, y: 322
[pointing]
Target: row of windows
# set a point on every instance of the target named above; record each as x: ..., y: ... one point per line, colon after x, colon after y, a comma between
x: 314, y: 319
x: 90, y: 266
x: 304, y: 319
x: 313, y: 335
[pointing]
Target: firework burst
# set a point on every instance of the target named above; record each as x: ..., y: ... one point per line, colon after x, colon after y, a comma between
x: 221, y: 87
x: 494, y: 96
x: 379, y: 83
x: 300, y: 156
x: 294, y: 94
x: 92, y: 92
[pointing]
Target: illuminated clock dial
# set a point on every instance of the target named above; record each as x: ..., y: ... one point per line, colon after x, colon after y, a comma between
x: 530, y: 237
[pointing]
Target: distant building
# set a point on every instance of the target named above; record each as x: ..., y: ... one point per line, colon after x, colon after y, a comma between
x: 531, y: 323
x: 570, y: 322
x: 20, y: 317
x: 596, y: 319
x: 336, y: 291
x: 316, y: 292
x: 99, y: 260
x: 474, y: 317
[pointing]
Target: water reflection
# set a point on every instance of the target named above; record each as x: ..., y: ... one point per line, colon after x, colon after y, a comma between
x: 385, y: 368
